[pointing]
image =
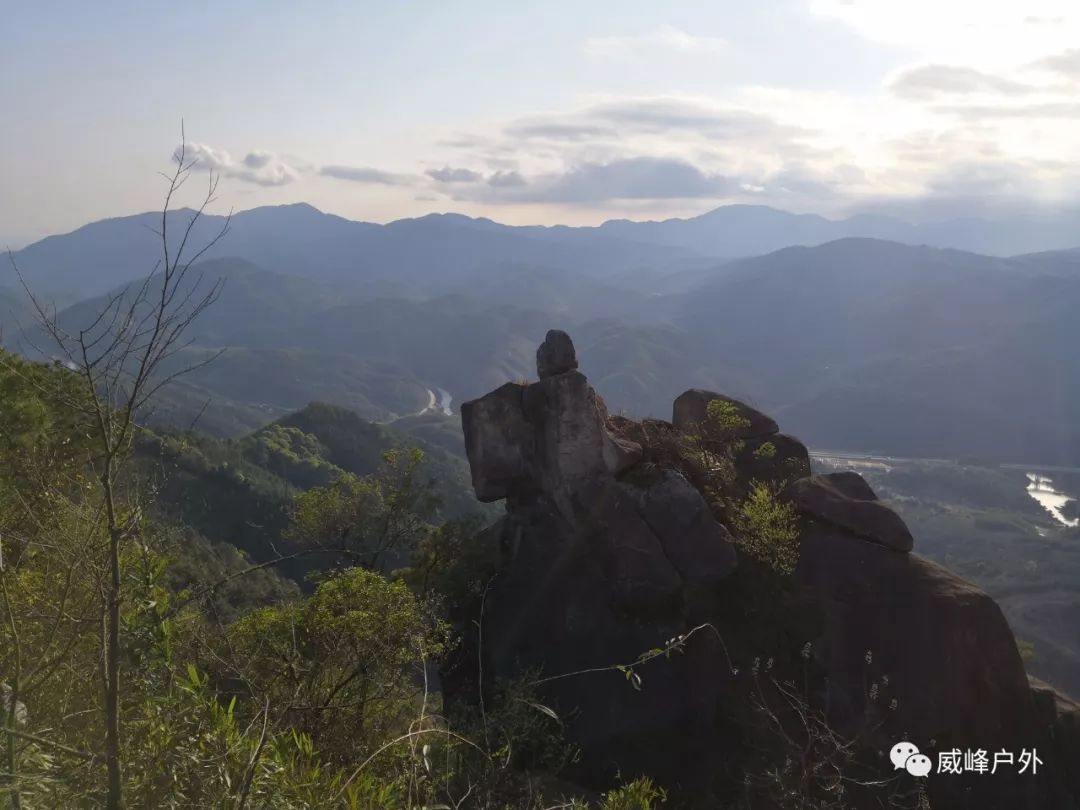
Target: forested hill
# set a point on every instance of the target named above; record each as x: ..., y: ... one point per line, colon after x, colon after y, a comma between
x: 239, y: 491
x: 859, y: 344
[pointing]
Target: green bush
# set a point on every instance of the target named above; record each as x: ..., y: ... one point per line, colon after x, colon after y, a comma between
x: 641, y: 794
x: 768, y: 530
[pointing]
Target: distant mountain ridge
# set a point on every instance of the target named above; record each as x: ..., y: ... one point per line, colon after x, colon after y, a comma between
x: 859, y: 343
x: 738, y: 231
x: 300, y: 240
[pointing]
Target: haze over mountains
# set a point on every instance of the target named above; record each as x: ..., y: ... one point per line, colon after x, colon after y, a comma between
x: 299, y: 239
x: 856, y: 340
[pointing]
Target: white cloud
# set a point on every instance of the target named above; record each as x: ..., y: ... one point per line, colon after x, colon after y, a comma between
x: 930, y: 129
x: 614, y: 122
x: 666, y: 38
x: 265, y: 168
x: 449, y: 175
x: 559, y: 131
x: 929, y: 81
x: 259, y: 167
x: 1066, y: 63
x: 635, y: 178
x: 984, y: 34
x: 506, y: 180
x: 365, y: 174
x: 1068, y: 110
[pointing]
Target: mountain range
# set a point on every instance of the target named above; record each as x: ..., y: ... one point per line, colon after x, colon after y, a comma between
x: 858, y: 342
x: 301, y: 240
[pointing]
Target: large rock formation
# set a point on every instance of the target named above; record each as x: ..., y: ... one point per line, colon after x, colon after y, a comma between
x: 690, y: 410
x: 607, y: 551
x: 846, y: 502
x: 1059, y: 718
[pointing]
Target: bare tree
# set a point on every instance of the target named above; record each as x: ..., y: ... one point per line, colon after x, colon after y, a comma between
x: 124, y: 357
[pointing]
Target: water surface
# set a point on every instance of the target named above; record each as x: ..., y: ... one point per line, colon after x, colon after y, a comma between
x: 1042, y: 489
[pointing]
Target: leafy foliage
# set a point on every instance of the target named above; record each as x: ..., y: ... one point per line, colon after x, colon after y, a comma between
x: 373, y: 520
x: 765, y: 529
x: 641, y: 794
x: 238, y: 691
x: 342, y: 666
x: 768, y: 530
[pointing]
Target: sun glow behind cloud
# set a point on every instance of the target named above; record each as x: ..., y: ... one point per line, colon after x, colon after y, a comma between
x: 993, y: 34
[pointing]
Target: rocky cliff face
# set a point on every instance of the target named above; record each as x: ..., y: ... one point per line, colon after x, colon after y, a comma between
x: 607, y: 551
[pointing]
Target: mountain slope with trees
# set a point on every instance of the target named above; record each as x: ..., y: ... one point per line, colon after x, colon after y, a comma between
x: 966, y: 355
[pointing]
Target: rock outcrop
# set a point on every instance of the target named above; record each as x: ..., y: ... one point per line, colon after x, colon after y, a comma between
x: 607, y: 550
x: 1059, y: 718
x: 556, y: 355
x: 691, y: 407
x: 772, y: 460
x: 845, y: 501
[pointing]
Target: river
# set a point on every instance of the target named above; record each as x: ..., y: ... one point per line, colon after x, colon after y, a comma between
x: 1042, y: 489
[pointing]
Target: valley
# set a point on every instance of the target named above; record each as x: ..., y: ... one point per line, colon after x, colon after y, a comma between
x: 859, y: 343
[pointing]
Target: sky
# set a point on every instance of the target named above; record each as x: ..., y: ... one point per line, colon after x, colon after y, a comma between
x: 553, y: 112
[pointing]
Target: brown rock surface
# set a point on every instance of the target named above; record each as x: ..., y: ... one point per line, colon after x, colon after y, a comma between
x: 1060, y: 718
x: 773, y: 460
x: 948, y: 654
x: 846, y: 501
x: 699, y: 548
x: 556, y: 355
x: 607, y: 551
x: 498, y: 442
x: 691, y: 406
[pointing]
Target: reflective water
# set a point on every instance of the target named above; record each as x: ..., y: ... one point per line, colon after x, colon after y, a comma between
x: 1042, y: 489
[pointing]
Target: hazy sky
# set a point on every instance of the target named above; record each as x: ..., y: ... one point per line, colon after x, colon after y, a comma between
x: 538, y: 111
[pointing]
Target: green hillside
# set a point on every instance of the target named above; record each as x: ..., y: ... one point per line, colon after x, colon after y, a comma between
x: 239, y: 491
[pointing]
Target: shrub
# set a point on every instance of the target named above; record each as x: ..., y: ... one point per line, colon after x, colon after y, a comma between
x: 768, y: 530
x: 641, y: 794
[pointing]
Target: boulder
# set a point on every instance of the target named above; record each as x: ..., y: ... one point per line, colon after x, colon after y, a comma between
x: 850, y: 484
x: 578, y: 595
x: 641, y: 576
x: 937, y: 645
x: 571, y: 441
x: 544, y: 436
x: 774, y: 460
x: 620, y: 454
x: 1060, y: 716
x: 845, y: 501
x: 556, y: 355
x: 498, y: 442
x: 657, y: 439
x: 700, y: 548
x: 690, y: 409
